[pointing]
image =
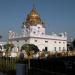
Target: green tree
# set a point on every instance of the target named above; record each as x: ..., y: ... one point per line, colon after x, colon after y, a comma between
x: 70, y: 47
x: 8, y: 48
x: 73, y: 44
x: 29, y: 48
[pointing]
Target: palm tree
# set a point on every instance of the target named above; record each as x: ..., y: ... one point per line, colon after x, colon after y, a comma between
x: 8, y: 48
x: 29, y: 49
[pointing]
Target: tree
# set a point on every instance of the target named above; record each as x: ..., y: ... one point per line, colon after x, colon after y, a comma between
x: 73, y: 43
x: 29, y: 48
x: 69, y: 47
x: 8, y: 47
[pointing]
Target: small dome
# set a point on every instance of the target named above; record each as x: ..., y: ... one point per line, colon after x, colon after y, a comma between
x: 33, y: 18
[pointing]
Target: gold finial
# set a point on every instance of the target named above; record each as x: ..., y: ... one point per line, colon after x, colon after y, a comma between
x: 33, y: 18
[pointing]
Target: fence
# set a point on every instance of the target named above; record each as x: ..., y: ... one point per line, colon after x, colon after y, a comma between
x: 7, y: 64
x: 48, y: 66
x: 53, y: 66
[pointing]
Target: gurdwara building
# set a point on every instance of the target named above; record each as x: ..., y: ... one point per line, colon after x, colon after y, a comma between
x: 33, y: 32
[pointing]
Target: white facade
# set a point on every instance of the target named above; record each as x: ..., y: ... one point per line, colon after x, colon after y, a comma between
x: 2, y: 46
x: 35, y: 34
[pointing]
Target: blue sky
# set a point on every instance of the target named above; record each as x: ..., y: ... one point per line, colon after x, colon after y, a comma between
x: 58, y: 15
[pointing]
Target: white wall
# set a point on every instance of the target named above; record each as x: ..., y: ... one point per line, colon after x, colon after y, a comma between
x: 42, y: 43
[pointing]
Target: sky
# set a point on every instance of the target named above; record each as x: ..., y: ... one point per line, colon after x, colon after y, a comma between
x: 58, y: 15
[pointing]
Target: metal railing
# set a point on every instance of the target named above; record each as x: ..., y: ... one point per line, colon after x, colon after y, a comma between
x: 7, y: 64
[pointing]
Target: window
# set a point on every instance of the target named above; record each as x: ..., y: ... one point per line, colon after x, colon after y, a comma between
x: 35, y: 40
x: 55, y: 48
x: 59, y: 42
x: 54, y: 41
x: 63, y: 48
x: 46, y: 41
x: 59, y: 48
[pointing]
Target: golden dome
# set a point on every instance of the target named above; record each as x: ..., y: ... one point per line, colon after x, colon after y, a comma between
x: 33, y: 17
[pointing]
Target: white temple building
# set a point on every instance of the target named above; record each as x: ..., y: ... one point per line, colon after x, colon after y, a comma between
x: 33, y: 32
x: 1, y: 45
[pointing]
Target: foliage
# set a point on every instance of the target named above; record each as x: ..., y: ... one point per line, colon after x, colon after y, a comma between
x: 8, y: 46
x: 42, y: 54
x: 45, y: 51
x: 70, y: 47
x: 73, y: 43
x: 7, y: 64
x: 30, y: 47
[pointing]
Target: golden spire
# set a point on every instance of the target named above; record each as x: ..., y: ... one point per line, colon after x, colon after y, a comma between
x: 33, y: 18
